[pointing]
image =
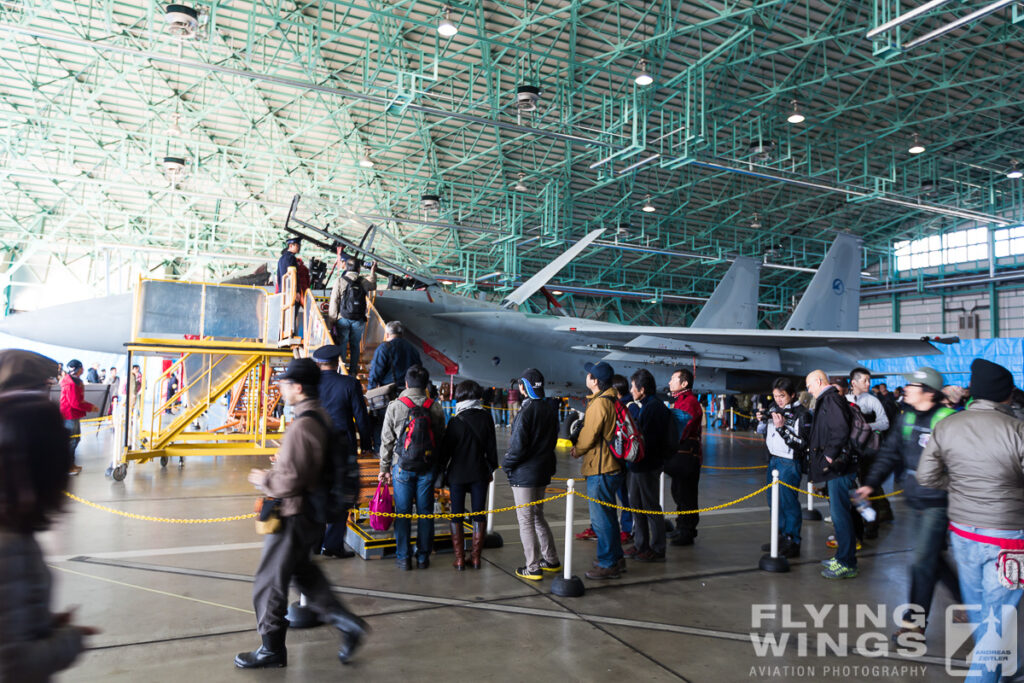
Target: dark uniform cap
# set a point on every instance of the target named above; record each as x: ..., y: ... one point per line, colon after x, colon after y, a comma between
x: 302, y: 370
x: 328, y: 354
x: 294, y: 240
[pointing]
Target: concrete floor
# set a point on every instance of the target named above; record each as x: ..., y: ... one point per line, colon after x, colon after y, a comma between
x: 174, y: 601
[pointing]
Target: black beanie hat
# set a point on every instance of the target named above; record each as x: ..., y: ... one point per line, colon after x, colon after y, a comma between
x: 990, y: 381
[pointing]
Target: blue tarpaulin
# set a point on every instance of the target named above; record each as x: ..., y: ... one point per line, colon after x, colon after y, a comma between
x: 955, y: 361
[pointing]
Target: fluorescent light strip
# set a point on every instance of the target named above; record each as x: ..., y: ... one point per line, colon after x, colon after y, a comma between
x: 903, y: 18
x: 988, y: 9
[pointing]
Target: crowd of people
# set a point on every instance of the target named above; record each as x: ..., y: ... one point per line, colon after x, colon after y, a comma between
x: 958, y: 457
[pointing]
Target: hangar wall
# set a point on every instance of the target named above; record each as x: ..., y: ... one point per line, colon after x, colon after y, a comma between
x: 1000, y: 313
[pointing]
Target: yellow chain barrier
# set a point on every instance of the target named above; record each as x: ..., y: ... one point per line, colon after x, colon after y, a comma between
x: 453, y: 515
x: 674, y: 512
x: 818, y: 495
x: 148, y: 518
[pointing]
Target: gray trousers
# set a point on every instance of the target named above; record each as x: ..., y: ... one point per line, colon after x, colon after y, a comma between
x: 648, y: 530
x: 538, y: 541
x: 286, y: 556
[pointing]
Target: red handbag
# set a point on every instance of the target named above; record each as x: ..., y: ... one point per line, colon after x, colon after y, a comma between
x: 381, y: 503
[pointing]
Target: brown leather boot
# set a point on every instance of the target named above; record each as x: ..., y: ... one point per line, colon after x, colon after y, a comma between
x: 458, y: 545
x: 479, y: 531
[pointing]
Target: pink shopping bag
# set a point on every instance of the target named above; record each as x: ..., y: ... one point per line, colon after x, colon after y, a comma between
x: 381, y: 502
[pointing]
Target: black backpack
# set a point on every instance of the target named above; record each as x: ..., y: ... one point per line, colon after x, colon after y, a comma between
x: 338, y: 490
x: 416, y: 442
x: 353, y: 300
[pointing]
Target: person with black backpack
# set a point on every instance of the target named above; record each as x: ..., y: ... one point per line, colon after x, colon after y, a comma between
x: 468, y: 458
x: 412, y: 432
x: 291, y: 484
x: 833, y: 464
x: 347, y: 312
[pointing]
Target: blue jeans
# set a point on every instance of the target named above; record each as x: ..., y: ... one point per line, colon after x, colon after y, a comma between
x: 979, y: 585
x: 929, y: 566
x: 791, y: 517
x: 605, y: 520
x: 350, y: 333
x: 409, y: 485
x: 625, y: 518
x: 477, y: 491
x: 842, y: 517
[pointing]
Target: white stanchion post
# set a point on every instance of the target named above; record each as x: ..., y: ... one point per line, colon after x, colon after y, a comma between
x: 567, y: 585
x: 490, y: 505
x: 492, y: 539
x: 661, y: 501
x: 809, y: 512
x: 775, y: 514
x: 772, y: 562
x: 732, y: 420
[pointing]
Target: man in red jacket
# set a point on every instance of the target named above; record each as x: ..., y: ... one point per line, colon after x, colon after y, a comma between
x: 684, y: 466
x: 73, y: 406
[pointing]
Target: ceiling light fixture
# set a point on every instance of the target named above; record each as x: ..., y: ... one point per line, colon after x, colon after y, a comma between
x: 526, y: 98
x: 174, y: 169
x: 648, y: 206
x: 1014, y: 172
x: 556, y: 292
x: 917, y: 147
x: 174, y: 128
x: 755, y: 223
x: 796, y: 116
x: 182, y: 21
x: 445, y: 27
x: 520, y: 185
x: 430, y: 202
x: 365, y: 161
x: 643, y: 75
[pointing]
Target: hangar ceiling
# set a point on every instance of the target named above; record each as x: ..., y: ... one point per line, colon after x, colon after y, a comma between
x: 362, y: 107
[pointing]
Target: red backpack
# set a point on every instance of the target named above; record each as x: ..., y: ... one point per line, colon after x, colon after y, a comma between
x: 416, y: 443
x: 627, y: 443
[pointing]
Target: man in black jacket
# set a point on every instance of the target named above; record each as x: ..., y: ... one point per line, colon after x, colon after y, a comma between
x: 655, y: 422
x: 832, y: 464
x: 902, y: 447
x: 530, y: 464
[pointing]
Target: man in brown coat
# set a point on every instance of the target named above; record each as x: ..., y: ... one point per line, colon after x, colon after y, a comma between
x: 286, y: 554
x: 603, y: 472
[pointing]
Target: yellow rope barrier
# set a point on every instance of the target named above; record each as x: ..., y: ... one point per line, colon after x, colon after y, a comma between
x: 674, y: 512
x: 148, y: 518
x: 752, y: 467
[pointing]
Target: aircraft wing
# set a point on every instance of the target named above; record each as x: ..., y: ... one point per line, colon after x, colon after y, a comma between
x: 858, y: 344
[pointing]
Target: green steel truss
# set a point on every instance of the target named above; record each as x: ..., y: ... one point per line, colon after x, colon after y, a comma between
x: 270, y: 99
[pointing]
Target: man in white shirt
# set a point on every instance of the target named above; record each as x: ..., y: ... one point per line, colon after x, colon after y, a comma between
x: 874, y: 413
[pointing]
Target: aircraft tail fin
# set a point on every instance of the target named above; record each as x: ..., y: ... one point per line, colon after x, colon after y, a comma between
x: 832, y: 300
x: 733, y: 304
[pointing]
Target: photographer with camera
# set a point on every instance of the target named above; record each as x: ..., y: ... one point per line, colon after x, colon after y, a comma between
x: 831, y: 463
x: 786, y: 426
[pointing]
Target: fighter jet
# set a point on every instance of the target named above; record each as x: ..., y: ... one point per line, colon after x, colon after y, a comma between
x: 493, y: 342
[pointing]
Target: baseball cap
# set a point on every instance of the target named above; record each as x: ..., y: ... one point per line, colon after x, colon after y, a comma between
x: 533, y: 382
x: 302, y: 370
x: 602, y: 372
x: 925, y: 376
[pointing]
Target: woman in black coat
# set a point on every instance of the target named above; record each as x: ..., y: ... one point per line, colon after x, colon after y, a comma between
x: 468, y: 458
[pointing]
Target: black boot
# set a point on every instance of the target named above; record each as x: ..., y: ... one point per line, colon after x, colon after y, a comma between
x: 353, y: 629
x: 272, y: 654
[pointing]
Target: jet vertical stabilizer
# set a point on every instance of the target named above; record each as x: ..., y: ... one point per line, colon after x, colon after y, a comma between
x: 733, y: 304
x: 832, y: 300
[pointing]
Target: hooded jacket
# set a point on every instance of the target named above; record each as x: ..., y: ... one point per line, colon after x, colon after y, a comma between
x: 977, y: 455
x: 530, y: 458
x: 598, y: 430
